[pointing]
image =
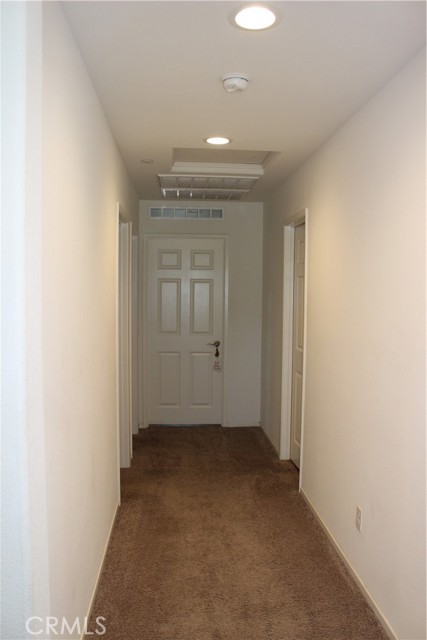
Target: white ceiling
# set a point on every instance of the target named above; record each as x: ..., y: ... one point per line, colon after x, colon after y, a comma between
x: 157, y: 68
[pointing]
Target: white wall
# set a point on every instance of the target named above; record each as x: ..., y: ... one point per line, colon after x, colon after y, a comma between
x: 364, y: 439
x: 65, y: 261
x: 83, y: 178
x: 21, y: 436
x: 243, y: 225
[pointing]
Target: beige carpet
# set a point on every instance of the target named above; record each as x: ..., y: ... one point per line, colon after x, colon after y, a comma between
x: 213, y: 542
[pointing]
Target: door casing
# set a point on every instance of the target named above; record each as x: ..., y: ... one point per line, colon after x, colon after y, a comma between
x: 123, y: 338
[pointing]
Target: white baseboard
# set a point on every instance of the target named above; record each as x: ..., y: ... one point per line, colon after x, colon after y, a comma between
x: 92, y: 600
x: 242, y: 424
x: 359, y: 582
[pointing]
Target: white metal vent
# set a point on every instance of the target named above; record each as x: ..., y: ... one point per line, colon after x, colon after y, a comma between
x: 187, y: 187
x: 184, y: 213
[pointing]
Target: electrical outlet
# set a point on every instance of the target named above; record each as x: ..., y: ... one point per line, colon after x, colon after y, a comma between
x: 358, y: 518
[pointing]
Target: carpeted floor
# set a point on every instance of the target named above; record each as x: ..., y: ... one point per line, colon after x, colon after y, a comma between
x: 213, y: 542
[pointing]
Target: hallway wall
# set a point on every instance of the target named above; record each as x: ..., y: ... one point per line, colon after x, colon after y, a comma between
x: 83, y: 178
x: 66, y: 179
x: 242, y: 224
x: 364, y: 438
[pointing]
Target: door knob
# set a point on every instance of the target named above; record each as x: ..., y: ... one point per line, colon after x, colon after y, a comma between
x: 216, y: 345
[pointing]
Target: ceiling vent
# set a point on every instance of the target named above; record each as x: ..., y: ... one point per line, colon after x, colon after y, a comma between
x: 199, y: 187
x: 209, y: 181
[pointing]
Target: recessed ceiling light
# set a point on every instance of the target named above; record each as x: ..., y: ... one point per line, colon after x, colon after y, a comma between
x: 255, y: 18
x: 217, y: 140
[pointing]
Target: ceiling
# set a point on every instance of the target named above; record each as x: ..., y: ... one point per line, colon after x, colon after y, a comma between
x: 157, y: 68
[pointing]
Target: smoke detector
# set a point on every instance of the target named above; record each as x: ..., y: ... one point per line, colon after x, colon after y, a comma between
x: 235, y: 82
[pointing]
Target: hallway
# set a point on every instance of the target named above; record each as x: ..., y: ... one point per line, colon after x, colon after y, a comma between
x: 108, y: 109
x: 213, y: 542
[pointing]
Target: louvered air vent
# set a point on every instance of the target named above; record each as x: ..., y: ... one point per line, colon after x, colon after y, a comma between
x: 184, y: 213
x: 187, y: 187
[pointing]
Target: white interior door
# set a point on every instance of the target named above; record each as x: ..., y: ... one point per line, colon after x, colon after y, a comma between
x: 297, y: 343
x: 185, y: 305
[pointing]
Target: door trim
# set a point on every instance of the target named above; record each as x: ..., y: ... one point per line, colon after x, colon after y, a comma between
x: 134, y: 332
x: 144, y: 316
x: 301, y: 217
x: 119, y: 214
x: 122, y: 219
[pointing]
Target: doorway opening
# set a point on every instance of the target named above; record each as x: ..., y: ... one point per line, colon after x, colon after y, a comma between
x: 123, y: 339
x: 294, y: 353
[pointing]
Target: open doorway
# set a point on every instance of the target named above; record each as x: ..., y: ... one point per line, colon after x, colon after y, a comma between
x: 294, y: 334
x: 124, y: 340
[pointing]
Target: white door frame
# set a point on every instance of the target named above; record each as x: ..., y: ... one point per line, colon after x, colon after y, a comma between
x: 300, y: 217
x: 134, y: 333
x: 123, y: 377
x: 144, y: 315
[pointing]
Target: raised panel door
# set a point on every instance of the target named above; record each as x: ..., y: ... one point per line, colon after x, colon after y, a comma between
x: 297, y: 343
x: 185, y: 312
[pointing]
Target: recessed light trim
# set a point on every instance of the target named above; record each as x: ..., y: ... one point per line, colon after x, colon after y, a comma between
x: 255, y: 18
x: 218, y: 140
